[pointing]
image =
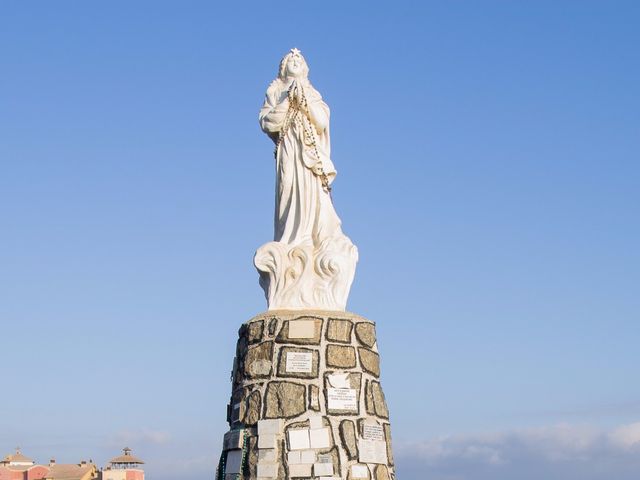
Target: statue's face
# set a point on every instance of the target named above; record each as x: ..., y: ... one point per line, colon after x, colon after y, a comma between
x: 294, y: 66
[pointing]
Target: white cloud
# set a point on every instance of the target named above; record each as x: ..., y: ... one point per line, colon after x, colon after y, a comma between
x: 558, y: 452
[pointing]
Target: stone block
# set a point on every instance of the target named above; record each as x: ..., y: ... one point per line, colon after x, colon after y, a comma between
x: 254, y: 331
x: 366, y: 334
x: 314, y: 398
x: 253, y: 408
x: 348, y: 437
x: 387, y: 436
x: 340, y: 356
x: 370, y: 361
x: 339, y: 330
x: 381, y: 473
x: 379, y: 402
x: 284, y: 400
x: 282, y: 363
x: 283, y: 335
x: 259, y: 360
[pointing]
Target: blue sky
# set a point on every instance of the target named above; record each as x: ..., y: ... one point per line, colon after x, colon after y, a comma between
x: 487, y: 157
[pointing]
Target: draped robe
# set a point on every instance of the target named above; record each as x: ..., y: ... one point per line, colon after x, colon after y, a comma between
x: 304, y: 213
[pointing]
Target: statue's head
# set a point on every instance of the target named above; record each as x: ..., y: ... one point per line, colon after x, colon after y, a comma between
x: 293, y: 65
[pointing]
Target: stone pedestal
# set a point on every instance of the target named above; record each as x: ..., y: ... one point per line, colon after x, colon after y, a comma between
x: 306, y: 400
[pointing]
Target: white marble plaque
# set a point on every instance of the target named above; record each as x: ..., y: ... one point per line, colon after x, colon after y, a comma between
x: 293, y: 458
x: 359, y: 471
x: 267, y: 440
x: 267, y: 470
x: 339, y: 380
x: 299, y: 362
x: 320, y: 438
x: 322, y: 469
x: 301, y: 470
x: 270, y: 426
x: 373, y: 431
x: 372, y: 451
x: 315, y: 422
x: 302, y: 329
x: 267, y: 455
x: 299, y: 439
x: 342, y: 399
x: 307, y: 456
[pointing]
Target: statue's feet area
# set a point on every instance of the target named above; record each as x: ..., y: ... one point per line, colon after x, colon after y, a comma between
x: 307, y: 401
x: 304, y: 276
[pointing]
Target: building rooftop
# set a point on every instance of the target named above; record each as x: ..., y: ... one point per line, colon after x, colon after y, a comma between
x: 127, y: 458
x: 17, y: 458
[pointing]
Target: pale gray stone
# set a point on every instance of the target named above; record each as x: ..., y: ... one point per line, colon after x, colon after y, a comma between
x: 254, y: 331
x: 339, y: 330
x: 348, y: 437
x: 340, y: 356
x: 282, y: 363
x: 314, y: 398
x: 370, y: 361
x: 379, y: 402
x: 284, y: 400
x: 259, y: 360
x: 366, y: 334
x: 273, y: 327
x: 283, y: 336
x: 253, y: 408
x: 387, y: 436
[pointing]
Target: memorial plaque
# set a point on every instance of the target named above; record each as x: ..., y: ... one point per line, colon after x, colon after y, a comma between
x: 322, y: 469
x: 372, y: 451
x: 342, y: 399
x: 359, y: 471
x: 267, y: 470
x: 320, y: 438
x: 299, y: 439
x: 299, y: 362
x: 373, y: 431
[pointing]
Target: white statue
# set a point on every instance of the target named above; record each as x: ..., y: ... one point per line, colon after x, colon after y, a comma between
x: 311, y: 263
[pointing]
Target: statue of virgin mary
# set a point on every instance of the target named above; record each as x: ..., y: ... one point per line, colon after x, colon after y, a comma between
x: 311, y: 263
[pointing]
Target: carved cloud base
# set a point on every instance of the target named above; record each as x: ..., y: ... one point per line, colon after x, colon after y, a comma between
x: 305, y: 276
x: 307, y: 401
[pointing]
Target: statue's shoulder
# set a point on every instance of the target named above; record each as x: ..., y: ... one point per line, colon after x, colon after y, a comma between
x: 274, y: 88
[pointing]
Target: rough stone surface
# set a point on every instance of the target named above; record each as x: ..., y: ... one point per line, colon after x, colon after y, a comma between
x: 283, y: 336
x: 284, y: 400
x: 254, y: 331
x: 339, y: 330
x: 381, y: 473
x: 314, y: 398
x: 253, y: 408
x: 259, y: 360
x: 370, y: 361
x: 282, y: 363
x: 379, y: 403
x: 343, y: 343
x: 366, y: 334
x: 348, y: 437
x: 273, y: 327
x: 387, y: 436
x: 340, y: 356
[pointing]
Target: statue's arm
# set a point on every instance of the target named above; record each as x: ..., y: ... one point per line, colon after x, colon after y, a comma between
x: 272, y: 115
x: 319, y: 114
